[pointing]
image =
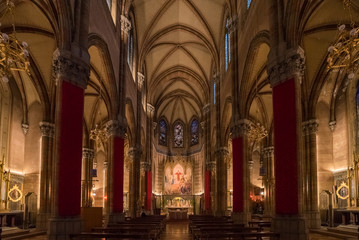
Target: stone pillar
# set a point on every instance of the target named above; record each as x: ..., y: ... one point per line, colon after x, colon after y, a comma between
x: 148, y: 164
x: 240, y: 171
x: 71, y: 74
x: 310, y: 129
x: 47, y: 139
x: 268, y: 179
x: 210, y: 170
x: 116, y: 131
x: 221, y: 183
x: 285, y: 78
x: 135, y: 201
x: 209, y: 165
x: 105, y: 188
x: 87, y: 166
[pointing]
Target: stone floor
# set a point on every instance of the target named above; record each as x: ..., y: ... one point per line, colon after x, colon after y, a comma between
x: 179, y: 231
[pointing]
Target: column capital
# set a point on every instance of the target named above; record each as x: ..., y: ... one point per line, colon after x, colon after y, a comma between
x: 206, y: 109
x: 105, y: 165
x: 140, y: 80
x: 47, y: 129
x: 146, y: 166
x: 125, y: 24
x: 134, y: 153
x: 268, y: 151
x: 70, y: 68
x: 115, y: 128
x: 88, y: 153
x: 150, y: 109
x: 221, y: 151
x: 232, y: 24
x: 310, y: 127
x: 291, y: 65
x: 211, y: 166
x: 240, y: 128
x: 154, y: 125
x: 332, y: 125
x: 25, y: 128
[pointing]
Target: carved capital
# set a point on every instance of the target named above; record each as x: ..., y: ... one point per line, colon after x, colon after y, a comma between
x: 332, y: 125
x: 268, y: 152
x: 240, y: 128
x: 25, y: 128
x: 115, y: 128
x: 47, y: 129
x: 150, y: 109
x: 146, y: 166
x: 232, y: 24
x: 135, y: 153
x: 211, y: 166
x: 71, y: 69
x: 105, y: 165
x: 310, y: 127
x: 222, y: 151
x: 140, y: 80
x: 125, y: 24
x: 293, y: 65
x: 206, y: 109
x: 88, y: 153
x: 154, y: 125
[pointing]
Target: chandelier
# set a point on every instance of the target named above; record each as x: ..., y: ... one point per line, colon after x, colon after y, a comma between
x: 99, y: 135
x: 14, y: 55
x: 343, y: 54
x: 256, y: 132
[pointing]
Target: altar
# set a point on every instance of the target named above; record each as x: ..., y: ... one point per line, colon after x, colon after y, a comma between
x: 177, y: 213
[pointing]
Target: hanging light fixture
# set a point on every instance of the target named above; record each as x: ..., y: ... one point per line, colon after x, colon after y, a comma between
x: 343, y: 54
x: 256, y: 130
x: 14, y: 55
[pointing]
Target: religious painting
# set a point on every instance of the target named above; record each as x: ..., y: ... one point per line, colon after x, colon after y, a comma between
x: 178, y: 181
x: 194, y: 132
x: 162, y: 135
x: 178, y: 134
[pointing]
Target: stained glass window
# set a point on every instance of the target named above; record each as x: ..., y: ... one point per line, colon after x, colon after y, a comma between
x: 178, y: 134
x: 162, y: 135
x: 248, y: 3
x: 130, y: 48
x: 227, y: 45
x: 194, y: 132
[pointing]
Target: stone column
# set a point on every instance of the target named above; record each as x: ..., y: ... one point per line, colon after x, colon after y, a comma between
x: 209, y: 164
x: 148, y: 165
x: 47, y: 129
x: 240, y: 131
x: 105, y: 188
x: 310, y: 129
x: 268, y: 179
x: 87, y: 166
x: 285, y: 78
x: 221, y: 183
x: 116, y: 131
x: 135, y: 201
x: 71, y: 74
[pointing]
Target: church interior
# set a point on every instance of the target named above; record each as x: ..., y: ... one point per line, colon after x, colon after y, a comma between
x: 190, y: 111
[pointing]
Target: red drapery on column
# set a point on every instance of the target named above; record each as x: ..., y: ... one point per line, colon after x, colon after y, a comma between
x: 207, y: 192
x: 285, y: 151
x: 70, y: 121
x: 118, y: 167
x: 238, y: 187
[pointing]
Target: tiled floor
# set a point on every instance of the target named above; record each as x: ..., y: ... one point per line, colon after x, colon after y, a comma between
x: 179, y: 231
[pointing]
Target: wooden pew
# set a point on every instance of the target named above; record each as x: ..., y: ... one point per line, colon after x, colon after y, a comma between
x: 241, y: 235
x: 94, y: 235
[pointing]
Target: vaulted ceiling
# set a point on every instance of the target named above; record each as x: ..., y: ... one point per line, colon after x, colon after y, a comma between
x: 178, y: 43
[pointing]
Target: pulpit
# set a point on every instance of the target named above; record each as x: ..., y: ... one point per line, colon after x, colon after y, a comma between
x: 177, y: 213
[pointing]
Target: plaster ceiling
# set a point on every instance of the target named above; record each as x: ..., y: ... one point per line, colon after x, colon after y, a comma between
x: 178, y: 43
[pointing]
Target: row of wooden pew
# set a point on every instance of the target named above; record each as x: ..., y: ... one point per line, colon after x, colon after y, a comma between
x: 209, y: 227
x: 149, y: 227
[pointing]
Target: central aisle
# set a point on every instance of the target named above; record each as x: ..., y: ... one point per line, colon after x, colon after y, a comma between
x: 176, y: 231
